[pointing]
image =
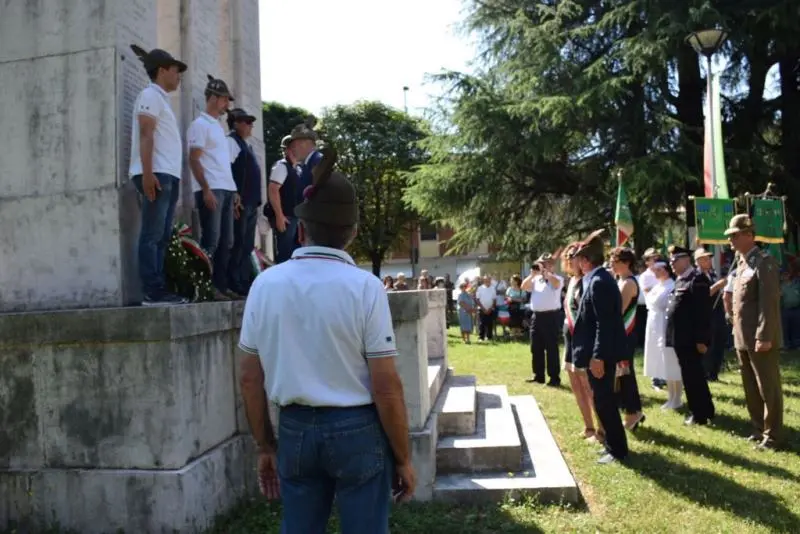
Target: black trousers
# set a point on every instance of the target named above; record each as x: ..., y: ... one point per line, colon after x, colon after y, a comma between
x: 545, y: 329
x: 628, y: 392
x: 713, y: 359
x: 605, y: 404
x: 485, y: 325
x: 698, y: 396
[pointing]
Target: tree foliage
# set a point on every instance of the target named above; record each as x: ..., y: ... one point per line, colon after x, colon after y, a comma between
x: 377, y: 147
x: 568, y: 94
x: 278, y: 121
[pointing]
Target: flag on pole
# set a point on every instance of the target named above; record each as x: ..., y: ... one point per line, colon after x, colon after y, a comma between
x: 623, y: 218
x: 713, y: 147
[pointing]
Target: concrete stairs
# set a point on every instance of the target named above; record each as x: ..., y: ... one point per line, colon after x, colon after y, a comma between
x: 489, y: 445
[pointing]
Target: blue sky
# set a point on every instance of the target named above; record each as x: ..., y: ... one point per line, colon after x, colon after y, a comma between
x: 318, y: 53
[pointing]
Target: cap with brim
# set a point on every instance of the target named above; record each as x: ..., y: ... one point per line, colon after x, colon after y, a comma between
x: 238, y: 114
x: 217, y: 87
x: 301, y: 131
x: 676, y: 252
x: 702, y: 253
x: 740, y: 223
x: 650, y: 253
x: 285, y: 141
x: 157, y: 58
x: 331, y: 199
x: 544, y: 258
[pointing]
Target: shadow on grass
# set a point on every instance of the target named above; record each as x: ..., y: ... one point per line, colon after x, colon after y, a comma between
x: 660, y: 438
x: 711, y: 490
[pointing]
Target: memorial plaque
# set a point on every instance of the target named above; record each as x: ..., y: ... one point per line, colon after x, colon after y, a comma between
x: 136, y: 24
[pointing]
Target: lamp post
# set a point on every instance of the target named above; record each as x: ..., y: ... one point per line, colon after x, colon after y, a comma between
x: 405, y: 99
x: 412, y: 256
x: 707, y: 43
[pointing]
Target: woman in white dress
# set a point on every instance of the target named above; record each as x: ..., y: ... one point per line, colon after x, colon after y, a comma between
x: 661, y: 361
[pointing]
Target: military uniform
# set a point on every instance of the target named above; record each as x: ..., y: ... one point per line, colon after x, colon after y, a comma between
x: 689, y: 325
x: 757, y: 318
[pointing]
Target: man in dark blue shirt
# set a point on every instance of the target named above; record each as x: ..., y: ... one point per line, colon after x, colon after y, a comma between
x: 247, y: 175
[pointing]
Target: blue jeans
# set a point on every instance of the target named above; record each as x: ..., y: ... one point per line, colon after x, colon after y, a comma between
x: 790, y: 317
x: 286, y: 242
x: 324, y: 452
x: 156, y: 231
x: 217, y: 233
x: 244, y: 236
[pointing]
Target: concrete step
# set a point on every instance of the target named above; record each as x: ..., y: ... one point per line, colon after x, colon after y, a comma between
x: 544, y: 473
x: 437, y: 374
x: 495, y: 445
x: 457, y: 407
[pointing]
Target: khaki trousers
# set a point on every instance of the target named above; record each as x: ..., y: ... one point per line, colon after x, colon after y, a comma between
x: 761, y: 377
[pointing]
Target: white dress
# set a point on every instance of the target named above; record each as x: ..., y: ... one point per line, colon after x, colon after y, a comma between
x: 660, y: 361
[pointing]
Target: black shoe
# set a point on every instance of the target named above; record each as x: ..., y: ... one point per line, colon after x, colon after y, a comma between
x: 554, y: 384
x: 691, y: 420
x: 535, y: 379
x: 755, y: 438
x: 164, y: 299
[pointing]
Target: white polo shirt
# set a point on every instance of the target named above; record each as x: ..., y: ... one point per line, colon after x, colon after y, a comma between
x: 278, y: 173
x: 207, y: 134
x: 153, y: 101
x: 486, y: 295
x: 545, y: 297
x: 313, y: 349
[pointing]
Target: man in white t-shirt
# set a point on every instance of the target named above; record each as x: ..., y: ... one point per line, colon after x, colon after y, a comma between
x: 546, y: 322
x: 155, y: 170
x: 215, y: 194
x: 329, y: 364
x: 486, y: 297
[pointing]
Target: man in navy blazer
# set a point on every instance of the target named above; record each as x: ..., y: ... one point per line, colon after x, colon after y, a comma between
x: 597, y: 339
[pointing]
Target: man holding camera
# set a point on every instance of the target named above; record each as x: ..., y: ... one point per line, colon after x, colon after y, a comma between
x: 545, y: 290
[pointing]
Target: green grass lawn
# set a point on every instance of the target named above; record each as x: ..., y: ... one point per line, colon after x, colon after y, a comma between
x: 678, y: 478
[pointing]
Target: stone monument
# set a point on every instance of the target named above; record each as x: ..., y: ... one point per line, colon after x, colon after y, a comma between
x: 69, y: 214
x: 110, y: 417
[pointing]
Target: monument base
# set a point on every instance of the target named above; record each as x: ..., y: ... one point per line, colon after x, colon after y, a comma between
x: 110, y: 500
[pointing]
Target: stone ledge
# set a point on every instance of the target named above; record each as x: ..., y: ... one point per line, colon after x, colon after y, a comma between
x: 107, y: 500
x: 117, y: 325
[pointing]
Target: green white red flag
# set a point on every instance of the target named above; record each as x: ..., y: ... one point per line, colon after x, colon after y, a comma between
x: 622, y: 217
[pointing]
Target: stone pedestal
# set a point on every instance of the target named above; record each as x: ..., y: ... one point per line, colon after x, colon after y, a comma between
x: 123, y: 418
x: 69, y: 214
x: 436, y: 324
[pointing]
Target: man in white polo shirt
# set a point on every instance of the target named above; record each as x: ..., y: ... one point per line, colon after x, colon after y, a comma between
x: 486, y: 295
x: 155, y: 169
x: 214, y: 188
x: 329, y: 364
x: 545, y: 289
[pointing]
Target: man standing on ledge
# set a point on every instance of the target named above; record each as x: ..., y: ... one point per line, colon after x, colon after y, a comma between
x: 757, y: 332
x: 282, y: 195
x: 598, y: 334
x: 329, y: 364
x: 214, y: 189
x: 247, y: 175
x: 155, y: 169
x: 689, y: 332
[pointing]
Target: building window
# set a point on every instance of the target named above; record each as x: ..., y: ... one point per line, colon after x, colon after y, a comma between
x: 427, y: 231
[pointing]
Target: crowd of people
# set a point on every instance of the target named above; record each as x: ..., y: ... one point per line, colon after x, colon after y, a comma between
x: 677, y: 308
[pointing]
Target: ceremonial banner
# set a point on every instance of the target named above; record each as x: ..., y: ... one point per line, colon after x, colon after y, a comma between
x: 768, y: 220
x: 622, y: 217
x: 712, y: 216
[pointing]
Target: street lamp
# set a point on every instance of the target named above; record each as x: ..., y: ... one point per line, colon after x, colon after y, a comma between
x: 405, y: 98
x: 707, y: 43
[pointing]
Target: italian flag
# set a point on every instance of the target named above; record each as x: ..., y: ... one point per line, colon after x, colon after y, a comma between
x: 623, y: 218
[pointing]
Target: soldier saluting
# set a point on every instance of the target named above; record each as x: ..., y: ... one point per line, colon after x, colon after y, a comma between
x: 689, y: 332
x: 757, y: 332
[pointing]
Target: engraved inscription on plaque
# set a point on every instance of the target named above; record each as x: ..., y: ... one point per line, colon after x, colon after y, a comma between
x: 136, y: 24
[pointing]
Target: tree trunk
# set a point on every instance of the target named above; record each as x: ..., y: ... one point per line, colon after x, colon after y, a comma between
x: 690, y: 114
x: 376, y: 257
x: 790, y: 130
